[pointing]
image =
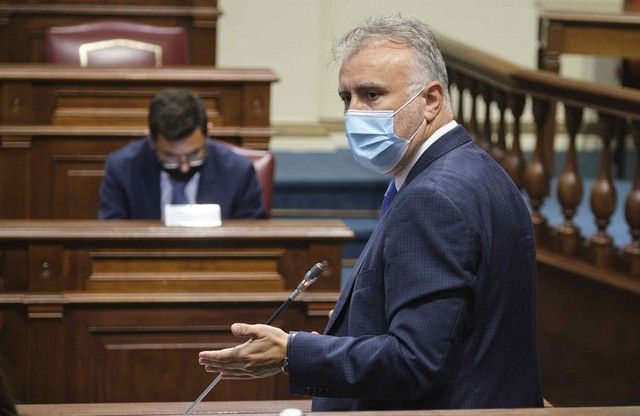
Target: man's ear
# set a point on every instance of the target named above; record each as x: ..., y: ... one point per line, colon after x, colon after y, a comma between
x: 147, y: 132
x: 434, y: 97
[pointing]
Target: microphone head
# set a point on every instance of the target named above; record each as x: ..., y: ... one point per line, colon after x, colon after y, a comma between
x: 313, y: 274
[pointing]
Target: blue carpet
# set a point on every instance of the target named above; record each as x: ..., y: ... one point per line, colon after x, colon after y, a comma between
x: 327, y: 180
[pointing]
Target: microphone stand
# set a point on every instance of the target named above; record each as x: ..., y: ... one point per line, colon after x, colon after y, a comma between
x: 309, y: 278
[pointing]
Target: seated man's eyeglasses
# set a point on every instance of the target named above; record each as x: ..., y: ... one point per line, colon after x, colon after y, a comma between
x: 194, y: 159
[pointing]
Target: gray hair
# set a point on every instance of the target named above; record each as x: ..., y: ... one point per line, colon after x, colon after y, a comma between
x: 428, y: 63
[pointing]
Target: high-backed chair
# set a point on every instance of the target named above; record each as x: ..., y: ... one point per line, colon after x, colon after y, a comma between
x: 264, y: 165
x: 116, y: 43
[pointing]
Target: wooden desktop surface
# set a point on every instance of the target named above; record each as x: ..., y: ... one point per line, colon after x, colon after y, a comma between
x: 612, y: 34
x: 274, y: 407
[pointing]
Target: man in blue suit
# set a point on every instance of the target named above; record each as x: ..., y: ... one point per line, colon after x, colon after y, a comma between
x: 439, y: 311
x: 177, y: 164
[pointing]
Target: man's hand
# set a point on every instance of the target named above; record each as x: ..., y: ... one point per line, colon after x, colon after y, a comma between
x: 260, y: 356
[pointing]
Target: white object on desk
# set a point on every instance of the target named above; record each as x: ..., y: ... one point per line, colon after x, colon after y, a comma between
x: 192, y: 215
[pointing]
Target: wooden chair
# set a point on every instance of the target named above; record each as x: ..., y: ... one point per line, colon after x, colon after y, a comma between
x: 116, y: 43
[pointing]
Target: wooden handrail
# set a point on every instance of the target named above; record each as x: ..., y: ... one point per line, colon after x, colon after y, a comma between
x: 510, y: 77
x: 498, y: 82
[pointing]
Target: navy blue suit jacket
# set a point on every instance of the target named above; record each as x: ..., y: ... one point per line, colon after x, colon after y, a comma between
x: 439, y: 310
x: 131, y: 185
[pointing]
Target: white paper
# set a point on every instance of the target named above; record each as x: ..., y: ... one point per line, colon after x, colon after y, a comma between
x: 192, y: 215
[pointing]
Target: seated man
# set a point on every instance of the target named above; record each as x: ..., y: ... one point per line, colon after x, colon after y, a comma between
x: 177, y: 164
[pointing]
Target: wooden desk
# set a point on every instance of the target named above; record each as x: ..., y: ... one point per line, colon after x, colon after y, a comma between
x: 614, y: 34
x: 58, y: 124
x: 98, y: 97
x: 116, y: 311
x: 247, y: 408
x: 55, y: 172
x: 22, y: 26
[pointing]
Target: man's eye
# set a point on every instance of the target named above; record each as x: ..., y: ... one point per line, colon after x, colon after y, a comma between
x: 372, y: 95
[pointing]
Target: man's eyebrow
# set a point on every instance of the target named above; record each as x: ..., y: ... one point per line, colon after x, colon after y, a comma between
x: 193, y: 152
x: 367, y: 86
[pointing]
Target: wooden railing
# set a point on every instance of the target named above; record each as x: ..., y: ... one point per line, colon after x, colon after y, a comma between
x: 507, y: 86
x: 588, y: 291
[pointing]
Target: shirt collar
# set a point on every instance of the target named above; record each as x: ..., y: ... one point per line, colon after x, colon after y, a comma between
x: 402, y: 176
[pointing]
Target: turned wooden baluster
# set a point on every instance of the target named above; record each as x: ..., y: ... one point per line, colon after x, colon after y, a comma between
x: 514, y: 161
x: 537, y: 179
x: 451, y: 78
x: 485, y: 137
x: 461, y: 83
x: 603, y: 196
x: 473, y: 121
x: 570, y: 186
x: 632, y: 211
x: 499, y: 149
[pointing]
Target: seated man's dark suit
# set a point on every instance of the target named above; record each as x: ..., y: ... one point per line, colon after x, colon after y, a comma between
x: 131, y: 186
x: 439, y: 311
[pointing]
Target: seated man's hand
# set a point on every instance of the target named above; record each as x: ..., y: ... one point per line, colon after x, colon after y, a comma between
x: 260, y: 356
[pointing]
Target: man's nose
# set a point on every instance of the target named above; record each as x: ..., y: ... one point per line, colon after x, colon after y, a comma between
x: 356, y: 104
x: 184, y: 165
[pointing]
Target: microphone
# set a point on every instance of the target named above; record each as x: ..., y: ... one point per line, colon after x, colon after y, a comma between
x: 309, y: 278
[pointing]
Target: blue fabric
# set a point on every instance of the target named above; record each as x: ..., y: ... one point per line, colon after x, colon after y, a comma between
x: 439, y: 310
x: 388, y: 198
x: 178, y: 190
x: 131, y: 186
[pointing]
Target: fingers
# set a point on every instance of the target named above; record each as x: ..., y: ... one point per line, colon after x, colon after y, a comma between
x: 241, y: 330
x: 330, y: 313
x: 260, y: 356
x: 246, y: 330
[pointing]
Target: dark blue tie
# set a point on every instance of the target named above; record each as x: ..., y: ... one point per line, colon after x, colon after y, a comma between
x: 178, y: 189
x: 388, y: 198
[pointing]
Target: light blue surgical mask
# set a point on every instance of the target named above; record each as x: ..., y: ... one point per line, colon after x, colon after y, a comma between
x: 372, y: 139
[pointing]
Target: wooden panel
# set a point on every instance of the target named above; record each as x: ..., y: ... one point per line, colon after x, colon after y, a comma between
x: 50, y: 94
x: 25, y: 24
x: 134, y: 346
x: 589, y: 338
x: 45, y: 267
x: 15, y: 176
x: 14, y: 274
x: 193, y: 269
x: 102, y: 311
x: 123, y: 107
x: 125, y: 352
x: 45, y: 343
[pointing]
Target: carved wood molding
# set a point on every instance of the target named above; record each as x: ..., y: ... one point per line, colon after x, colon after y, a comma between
x: 45, y: 311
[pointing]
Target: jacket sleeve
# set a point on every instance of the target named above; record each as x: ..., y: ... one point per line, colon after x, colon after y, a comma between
x: 429, y: 258
x: 113, y: 198
x: 249, y: 202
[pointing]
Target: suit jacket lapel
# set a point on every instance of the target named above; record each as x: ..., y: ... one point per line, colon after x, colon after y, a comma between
x: 345, y: 293
x: 452, y: 139
x: 206, y: 183
x: 149, y: 196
